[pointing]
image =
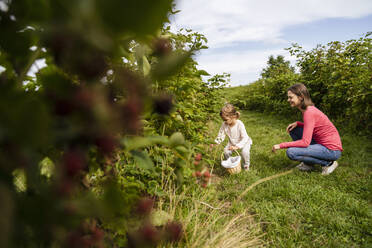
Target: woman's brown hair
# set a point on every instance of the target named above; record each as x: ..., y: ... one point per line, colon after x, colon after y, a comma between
x: 300, y: 90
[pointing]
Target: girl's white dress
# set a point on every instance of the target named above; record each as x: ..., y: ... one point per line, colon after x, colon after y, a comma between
x: 237, y: 137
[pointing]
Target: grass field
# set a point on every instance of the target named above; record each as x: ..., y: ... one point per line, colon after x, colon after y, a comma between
x: 304, y: 209
x: 299, y: 209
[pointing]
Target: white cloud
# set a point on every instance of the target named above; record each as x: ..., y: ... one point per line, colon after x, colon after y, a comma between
x: 229, y: 24
x: 247, y: 20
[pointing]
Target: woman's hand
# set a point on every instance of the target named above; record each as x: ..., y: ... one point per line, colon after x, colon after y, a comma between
x: 275, y: 147
x: 291, y: 126
x: 232, y: 148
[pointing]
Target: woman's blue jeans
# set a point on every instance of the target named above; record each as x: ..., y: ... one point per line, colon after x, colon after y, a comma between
x: 313, y: 154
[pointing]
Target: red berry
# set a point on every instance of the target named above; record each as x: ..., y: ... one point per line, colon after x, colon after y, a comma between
x: 73, y: 162
x: 204, y: 185
x: 97, y: 235
x: 70, y: 209
x: 198, y: 157
x: 75, y: 239
x: 65, y: 187
x: 106, y: 144
x: 196, y: 163
x: 174, y: 231
x: 144, y: 206
x: 162, y: 47
x: 207, y: 174
x: 131, y: 114
x: 84, y: 98
x: 149, y: 233
x: 198, y: 174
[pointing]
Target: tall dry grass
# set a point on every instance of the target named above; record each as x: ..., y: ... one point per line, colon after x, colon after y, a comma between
x: 208, y: 222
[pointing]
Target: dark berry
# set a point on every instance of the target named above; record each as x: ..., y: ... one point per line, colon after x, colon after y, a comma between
x: 106, y: 144
x: 63, y: 107
x: 65, y: 187
x: 149, y: 233
x: 174, y: 231
x: 97, y: 235
x: 163, y: 104
x: 131, y: 114
x: 144, y: 206
x: 84, y: 98
x: 73, y: 162
x: 162, y: 47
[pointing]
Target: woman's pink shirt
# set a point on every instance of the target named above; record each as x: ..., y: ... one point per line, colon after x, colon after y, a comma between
x: 317, y: 126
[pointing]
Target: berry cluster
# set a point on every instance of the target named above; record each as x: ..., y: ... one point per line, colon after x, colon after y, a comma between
x: 149, y: 235
x: 87, y: 235
x: 201, y: 174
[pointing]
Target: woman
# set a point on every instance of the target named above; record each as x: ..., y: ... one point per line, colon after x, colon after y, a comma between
x: 316, y: 140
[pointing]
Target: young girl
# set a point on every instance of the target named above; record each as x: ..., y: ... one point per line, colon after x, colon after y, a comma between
x: 235, y: 130
x: 316, y: 140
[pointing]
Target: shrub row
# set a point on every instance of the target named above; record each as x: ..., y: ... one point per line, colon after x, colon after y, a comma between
x: 338, y: 76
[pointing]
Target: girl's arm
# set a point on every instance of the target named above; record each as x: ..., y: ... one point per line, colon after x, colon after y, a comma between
x: 244, y: 135
x: 221, y: 135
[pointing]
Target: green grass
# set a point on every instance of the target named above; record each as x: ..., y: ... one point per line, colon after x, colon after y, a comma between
x: 302, y: 209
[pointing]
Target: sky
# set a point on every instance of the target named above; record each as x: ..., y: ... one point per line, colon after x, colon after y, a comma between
x: 242, y: 34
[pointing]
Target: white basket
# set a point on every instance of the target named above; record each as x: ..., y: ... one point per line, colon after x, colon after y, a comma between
x: 232, y: 164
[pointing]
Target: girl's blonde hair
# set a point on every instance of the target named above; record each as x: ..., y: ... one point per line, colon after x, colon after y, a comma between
x: 229, y: 110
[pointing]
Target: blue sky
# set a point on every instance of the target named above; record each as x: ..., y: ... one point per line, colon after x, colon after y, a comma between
x: 242, y: 34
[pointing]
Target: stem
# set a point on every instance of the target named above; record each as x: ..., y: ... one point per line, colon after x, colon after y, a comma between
x: 206, y: 204
x: 163, y: 130
x: 263, y: 180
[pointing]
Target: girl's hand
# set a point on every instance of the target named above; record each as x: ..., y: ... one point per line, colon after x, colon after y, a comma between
x: 232, y: 148
x: 291, y: 126
x: 212, y: 145
x: 275, y: 147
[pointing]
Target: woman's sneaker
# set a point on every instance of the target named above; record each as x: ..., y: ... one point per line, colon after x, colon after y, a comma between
x: 304, y: 167
x: 326, y: 170
x: 246, y: 167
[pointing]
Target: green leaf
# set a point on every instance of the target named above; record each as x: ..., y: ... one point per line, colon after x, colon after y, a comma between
x: 176, y: 139
x: 143, y: 160
x: 141, y: 142
x: 160, y: 218
x: 170, y: 65
x: 182, y: 150
x: 145, y: 66
x: 138, y: 17
x: 203, y: 73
